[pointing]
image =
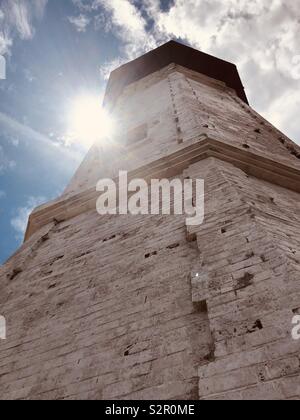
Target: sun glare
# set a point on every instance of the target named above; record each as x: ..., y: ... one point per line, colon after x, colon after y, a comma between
x: 89, y: 121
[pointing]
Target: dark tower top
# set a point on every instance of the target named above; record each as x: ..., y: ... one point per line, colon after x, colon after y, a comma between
x: 173, y: 52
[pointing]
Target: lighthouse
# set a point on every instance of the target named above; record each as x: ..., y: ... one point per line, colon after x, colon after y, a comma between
x: 146, y: 306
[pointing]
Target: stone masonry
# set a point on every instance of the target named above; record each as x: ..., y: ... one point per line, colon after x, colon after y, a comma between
x: 145, y: 307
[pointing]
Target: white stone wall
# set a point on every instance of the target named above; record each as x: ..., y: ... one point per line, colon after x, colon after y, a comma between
x: 109, y: 307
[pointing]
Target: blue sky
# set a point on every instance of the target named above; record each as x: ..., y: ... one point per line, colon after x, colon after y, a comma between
x: 57, y: 50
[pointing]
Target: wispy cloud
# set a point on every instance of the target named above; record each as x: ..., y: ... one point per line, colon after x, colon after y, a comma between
x: 5, y: 162
x: 130, y: 26
x: 109, y: 66
x: 17, y: 18
x: 20, y: 219
x: 80, y: 22
x: 127, y: 23
x: 2, y: 194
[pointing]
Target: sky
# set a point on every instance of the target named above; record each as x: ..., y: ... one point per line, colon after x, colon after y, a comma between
x: 56, y: 51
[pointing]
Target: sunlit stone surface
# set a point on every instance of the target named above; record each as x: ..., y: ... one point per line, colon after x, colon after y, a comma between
x: 144, y: 307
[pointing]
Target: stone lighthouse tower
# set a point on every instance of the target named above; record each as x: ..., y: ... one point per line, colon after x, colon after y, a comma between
x: 146, y: 307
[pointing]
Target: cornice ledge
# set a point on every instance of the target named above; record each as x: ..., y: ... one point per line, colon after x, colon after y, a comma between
x: 193, y: 151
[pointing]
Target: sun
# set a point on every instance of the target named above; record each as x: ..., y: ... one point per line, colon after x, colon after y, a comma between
x: 89, y: 121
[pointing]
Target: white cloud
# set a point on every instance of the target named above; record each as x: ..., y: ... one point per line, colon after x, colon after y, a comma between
x: 261, y: 37
x: 284, y: 112
x: 130, y: 26
x: 296, y: 67
x: 15, y: 142
x: 2, y: 194
x: 17, y: 19
x: 20, y: 220
x: 127, y: 23
x: 109, y: 66
x: 80, y: 22
x: 5, y: 162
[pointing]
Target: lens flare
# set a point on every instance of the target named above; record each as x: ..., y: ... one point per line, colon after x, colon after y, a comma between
x: 89, y: 121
